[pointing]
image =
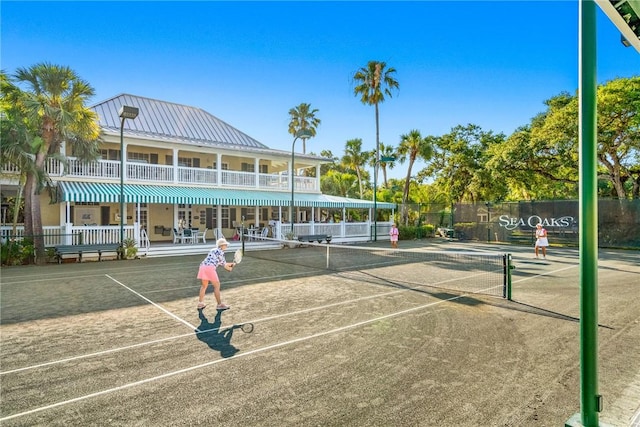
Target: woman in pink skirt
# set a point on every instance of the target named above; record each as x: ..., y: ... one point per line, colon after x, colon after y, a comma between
x: 207, y: 273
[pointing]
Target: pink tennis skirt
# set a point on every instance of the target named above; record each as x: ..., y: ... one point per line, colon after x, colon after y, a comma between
x: 208, y: 272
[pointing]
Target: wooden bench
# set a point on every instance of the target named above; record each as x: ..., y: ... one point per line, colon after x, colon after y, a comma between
x: 61, y: 250
x: 315, y: 238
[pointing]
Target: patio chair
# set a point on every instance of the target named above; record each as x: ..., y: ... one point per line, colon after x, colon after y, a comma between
x: 188, y: 235
x: 217, y: 233
x: 264, y: 233
x: 203, y: 236
x: 176, y: 236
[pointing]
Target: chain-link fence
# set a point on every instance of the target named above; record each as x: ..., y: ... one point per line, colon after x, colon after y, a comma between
x: 515, y: 222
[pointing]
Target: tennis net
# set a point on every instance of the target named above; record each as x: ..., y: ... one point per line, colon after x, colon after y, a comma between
x: 467, y: 271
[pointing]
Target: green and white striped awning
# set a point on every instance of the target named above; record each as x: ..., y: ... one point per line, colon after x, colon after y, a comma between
x: 72, y: 191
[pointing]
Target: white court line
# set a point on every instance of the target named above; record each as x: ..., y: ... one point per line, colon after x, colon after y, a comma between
x: 635, y: 421
x: 214, y: 362
x: 85, y: 276
x: 153, y: 303
x: 264, y: 319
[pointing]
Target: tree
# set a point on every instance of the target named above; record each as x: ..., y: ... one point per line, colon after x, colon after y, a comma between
x: 459, y: 164
x: 541, y: 161
x: 354, y: 158
x: 373, y: 83
x: 338, y: 183
x: 619, y: 135
x: 386, y: 151
x: 412, y: 146
x: 17, y: 142
x: 53, y: 104
x: 303, y: 117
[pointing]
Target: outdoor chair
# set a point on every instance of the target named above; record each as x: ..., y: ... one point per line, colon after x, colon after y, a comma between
x: 264, y: 233
x: 176, y: 236
x: 187, y: 235
x: 203, y: 236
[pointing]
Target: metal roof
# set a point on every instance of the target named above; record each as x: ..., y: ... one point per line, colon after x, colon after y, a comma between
x: 171, y: 122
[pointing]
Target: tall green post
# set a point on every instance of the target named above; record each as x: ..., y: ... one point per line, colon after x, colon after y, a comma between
x: 590, y: 400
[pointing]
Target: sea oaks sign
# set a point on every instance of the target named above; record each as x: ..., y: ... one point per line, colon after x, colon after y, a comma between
x: 511, y: 223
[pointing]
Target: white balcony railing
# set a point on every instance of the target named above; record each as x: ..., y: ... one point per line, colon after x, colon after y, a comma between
x: 143, y: 172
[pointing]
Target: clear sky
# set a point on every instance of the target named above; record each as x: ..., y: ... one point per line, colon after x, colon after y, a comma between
x: 488, y: 63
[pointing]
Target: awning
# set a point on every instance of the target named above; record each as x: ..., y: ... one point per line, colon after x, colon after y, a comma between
x: 72, y: 191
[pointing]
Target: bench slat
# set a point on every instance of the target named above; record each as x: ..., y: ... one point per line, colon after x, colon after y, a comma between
x: 80, y: 249
x: 315, y: 237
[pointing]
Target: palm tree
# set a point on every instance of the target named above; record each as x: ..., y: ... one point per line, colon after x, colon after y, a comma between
x: 387, y: 151
x: 16, y: 142
x: 373, y: 83
x: 412, y: 145
x: 354, y: 158
x: 54, y: 106
x: 303, y: 117
x: 338, y: 183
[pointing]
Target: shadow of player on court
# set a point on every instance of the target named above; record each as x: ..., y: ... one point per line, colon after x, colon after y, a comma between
x: 216, y: 339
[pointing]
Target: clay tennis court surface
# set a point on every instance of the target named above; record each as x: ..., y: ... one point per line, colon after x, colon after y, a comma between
x: 115, y: 343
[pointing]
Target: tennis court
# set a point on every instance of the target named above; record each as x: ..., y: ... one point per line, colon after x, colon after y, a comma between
x: 121, y: 342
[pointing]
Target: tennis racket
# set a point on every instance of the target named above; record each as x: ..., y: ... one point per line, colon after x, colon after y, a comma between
x: 237, y: 257
x: 247, y: 327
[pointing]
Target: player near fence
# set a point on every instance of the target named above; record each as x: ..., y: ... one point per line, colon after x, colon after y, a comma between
x: 394, y: 233
x: 541, y: 240
x: 207, y: 273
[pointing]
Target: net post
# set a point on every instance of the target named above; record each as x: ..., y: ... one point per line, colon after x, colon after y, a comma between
x: 505, y: 267
x: 327, y: 256
x: 509, y: 268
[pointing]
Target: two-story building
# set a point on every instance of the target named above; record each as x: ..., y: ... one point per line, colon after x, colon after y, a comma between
x: 186, y: 169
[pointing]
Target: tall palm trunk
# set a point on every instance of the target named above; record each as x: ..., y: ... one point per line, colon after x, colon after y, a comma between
x: 36, y: 218
x: 405, y: 193
x: 28, y: 189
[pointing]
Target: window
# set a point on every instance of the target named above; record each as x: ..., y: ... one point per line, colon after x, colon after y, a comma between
x: 264, y: 168
x: 144, y: 215
x: 248, y: 167
x: 249, y: 214
x: 138, y: 157
x: 184, y: 161
x: 109, y: 154
x: 227, y: 213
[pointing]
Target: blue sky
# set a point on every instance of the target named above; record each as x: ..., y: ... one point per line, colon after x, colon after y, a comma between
x: 488, y: 63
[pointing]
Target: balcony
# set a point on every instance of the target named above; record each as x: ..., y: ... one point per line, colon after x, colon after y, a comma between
x: 109, y: 171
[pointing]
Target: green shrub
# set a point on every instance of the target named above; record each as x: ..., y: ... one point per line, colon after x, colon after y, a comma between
x: 17, y: 252
x: 410, y: 232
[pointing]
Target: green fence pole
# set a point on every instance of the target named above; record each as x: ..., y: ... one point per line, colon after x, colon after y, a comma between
x: 590, y: 400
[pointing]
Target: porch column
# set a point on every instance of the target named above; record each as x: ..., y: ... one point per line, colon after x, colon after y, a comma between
x: 67, y: 224
x: 257, y: 216
x: 219, y: 169
x: 175, y: 166
x: 63, y: 152
x: 218, y: 218
x: 317, y: 178
x: 137, y: 234
x: 256, y: 169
